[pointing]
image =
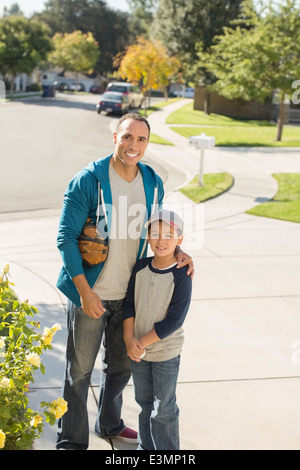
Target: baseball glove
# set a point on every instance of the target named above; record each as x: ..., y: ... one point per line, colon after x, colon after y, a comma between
x: 93, y: 247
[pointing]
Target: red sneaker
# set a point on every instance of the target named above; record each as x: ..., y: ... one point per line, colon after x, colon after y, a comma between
x: 128, y: 435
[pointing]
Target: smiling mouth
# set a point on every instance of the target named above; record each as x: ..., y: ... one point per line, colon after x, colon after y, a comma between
x: 132, y: 155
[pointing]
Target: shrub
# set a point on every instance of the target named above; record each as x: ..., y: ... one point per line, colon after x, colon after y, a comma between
x: 21, y: 348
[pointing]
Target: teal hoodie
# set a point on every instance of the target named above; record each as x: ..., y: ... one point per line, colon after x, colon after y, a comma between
x: 89, y: 195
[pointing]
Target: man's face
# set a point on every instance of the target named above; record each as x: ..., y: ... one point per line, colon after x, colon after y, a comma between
x: 131, y: 141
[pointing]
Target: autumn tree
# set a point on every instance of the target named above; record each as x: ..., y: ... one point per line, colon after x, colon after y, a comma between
x: 24, y: 44
x: 260, y: 56
x: 147, y: 64
x: 76, y: 52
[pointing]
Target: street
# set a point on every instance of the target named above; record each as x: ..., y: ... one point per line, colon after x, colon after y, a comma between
x: 44, y: 142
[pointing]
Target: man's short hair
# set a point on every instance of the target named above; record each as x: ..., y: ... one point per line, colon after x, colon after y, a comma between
x: 136, y: 117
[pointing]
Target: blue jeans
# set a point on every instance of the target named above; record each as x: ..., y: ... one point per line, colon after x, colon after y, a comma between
x: 84, y: 340
x: 155, y: 392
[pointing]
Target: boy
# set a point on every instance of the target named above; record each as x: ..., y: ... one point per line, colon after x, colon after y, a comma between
x: 155, y: 308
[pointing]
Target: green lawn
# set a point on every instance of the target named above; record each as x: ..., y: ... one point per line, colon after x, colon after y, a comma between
x: 286, y: 203
x: 232, y: 132
x: 156, y: 139
x: 214, y: 185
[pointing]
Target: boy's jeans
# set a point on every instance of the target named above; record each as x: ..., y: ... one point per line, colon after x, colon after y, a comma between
x: 155, y: 392
x: 84, y: 341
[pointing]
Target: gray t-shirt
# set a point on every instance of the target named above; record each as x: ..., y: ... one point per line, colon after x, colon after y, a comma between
x: 128, y: 214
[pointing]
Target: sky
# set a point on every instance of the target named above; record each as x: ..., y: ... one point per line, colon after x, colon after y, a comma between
x: 30, y: 6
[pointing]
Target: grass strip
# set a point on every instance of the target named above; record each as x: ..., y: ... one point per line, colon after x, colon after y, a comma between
x: 215, y: 184
x: 286, y: 203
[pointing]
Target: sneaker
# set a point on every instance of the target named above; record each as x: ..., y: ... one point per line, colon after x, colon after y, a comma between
x: 128, y: 435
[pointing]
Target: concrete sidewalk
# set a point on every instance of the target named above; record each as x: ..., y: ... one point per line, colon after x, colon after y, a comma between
x: 239, y: 379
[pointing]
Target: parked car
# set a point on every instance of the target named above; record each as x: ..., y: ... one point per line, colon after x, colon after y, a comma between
x: 78, y: 87
x: 60, y: 86
x: 113, y: 102
x: 187, y: 93
x: 95, y: 89
x: 134, y: 93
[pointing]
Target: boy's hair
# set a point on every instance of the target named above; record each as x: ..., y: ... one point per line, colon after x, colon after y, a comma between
x: 135, y: 117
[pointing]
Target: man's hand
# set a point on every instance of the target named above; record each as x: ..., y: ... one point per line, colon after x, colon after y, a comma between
x: 92, y: 305
x: 183, y: 259
x: 90, y: 302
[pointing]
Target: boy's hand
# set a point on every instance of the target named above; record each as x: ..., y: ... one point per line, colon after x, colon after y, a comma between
x: 183, y: 259
x: 135, y: 349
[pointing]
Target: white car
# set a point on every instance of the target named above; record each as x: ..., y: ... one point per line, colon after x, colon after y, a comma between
x: 187, y: 93
x: 134, y: 94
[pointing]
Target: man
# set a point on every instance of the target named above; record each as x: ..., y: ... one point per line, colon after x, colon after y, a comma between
x: 96, y: 294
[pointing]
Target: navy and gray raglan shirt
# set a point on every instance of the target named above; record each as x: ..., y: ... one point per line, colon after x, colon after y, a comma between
x: 159, y: 299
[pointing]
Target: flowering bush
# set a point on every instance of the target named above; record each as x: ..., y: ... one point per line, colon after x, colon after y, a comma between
x: 21, y: 347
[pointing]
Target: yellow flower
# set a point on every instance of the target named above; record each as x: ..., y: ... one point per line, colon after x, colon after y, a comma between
x: 59, y: 408
x: 47, y: 336
x: 2, y: 439
x: 2, y: 343
x: 36, y: 421
x: 34, y: 359
x: 56, y: 327
x: 4, y: 383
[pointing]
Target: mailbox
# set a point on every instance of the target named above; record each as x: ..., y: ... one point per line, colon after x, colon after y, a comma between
x: 202, y: 142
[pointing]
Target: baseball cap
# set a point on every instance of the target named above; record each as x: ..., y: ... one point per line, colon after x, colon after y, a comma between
x: 167, y: 216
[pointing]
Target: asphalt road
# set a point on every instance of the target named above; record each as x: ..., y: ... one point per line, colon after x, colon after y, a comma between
x: 44, y: 143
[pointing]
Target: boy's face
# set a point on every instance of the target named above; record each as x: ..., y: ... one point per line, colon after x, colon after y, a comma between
x: 163, y: 239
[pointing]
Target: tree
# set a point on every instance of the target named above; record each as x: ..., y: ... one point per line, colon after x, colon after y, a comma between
x: 76, y: 52
x: 142, y: 14
x: 13, y: 10
x: 184, y: 26
x: 148, y: 64
x: 109, y: 27
x: 24, y: 44
x: 254, y: 63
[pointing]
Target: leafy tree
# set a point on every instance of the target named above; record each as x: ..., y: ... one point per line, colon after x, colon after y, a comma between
x: 109, y: 27
x: 254, y: 63
x: 183, y: 24
x: 24, y: 44
x: 148, y: 64
x: 76, y: 52
x: 142, y: 14
x: 13, y: 10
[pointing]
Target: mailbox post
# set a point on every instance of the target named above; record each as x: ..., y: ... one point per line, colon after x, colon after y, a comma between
x: 202, y: 142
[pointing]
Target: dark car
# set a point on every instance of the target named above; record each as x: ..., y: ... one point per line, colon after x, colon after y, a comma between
x: 95, y: 89
x: 113, y: 102
x: 134, y: 94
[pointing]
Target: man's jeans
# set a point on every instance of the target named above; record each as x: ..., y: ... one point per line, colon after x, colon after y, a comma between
x: 84, y: 341
x: 155, y: 392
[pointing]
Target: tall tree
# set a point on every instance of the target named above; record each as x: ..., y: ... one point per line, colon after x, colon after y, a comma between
x: 14, y: 9
x: 109, y: 27
x: 24, y: 43
x: 182, y: 24
x: 142, y: 15
x: 254, y: 63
